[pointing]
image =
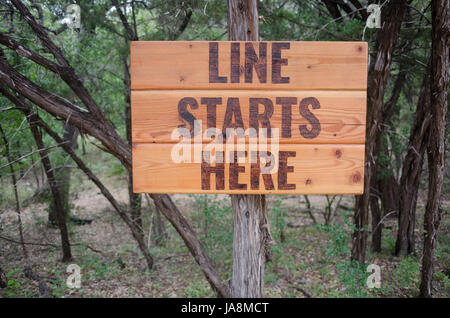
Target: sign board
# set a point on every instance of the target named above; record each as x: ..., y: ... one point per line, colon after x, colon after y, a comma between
x: 248, y: 117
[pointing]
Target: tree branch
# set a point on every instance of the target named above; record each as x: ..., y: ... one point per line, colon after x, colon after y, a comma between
x: 62, y: 108
x: 184, y: 24
x: 36, y: 120
x: 66, y: 72
x: 131, y: 35
x: 22, y: 50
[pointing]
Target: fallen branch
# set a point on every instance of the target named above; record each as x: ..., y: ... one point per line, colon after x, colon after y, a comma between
x: 304, y: 292
x: 29, y: 154
x: 296, y: 226
x: 50, y: 244
x: 175, y: 255
x: 36, y: 120
x: 381, y: 221
x: 288, y: 277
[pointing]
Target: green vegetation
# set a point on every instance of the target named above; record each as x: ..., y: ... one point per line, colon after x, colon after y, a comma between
x: 312, y: 240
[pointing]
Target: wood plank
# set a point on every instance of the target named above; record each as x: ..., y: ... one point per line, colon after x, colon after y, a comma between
x: 318, y: 169
x: 341, y: 114
x: 310, y: 65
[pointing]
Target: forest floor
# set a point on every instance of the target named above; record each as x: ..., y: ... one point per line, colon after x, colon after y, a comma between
x: 308, y: 259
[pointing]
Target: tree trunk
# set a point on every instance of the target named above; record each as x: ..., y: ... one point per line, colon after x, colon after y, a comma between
x: 87, y: 123
x: 35, y: 172
x: 16, y: 193
x: 412, y: 167
x: 376, y: 226
x: 378, y: 76
x: 159, y: 228
x: 390, y: 189
x: 440, y: 68
x: 93, y: 122
x: 251, y: 236
x: 135, y: 204
x: 374, y: 203
x: 23, y: 106
x: 122, y: 213
x: 250, y: 245
x: 135, y: 200
x: 383, y: 185
x: 67, y: 254
x: 62, y: 175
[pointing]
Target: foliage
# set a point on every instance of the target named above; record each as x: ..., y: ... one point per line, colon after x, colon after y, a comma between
x: 99, y: 53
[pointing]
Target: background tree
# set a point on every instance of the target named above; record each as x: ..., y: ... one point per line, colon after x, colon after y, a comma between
x: 440, y: 68
x: 251, y: 240
x: 61, y: 77
x: 392, y: 14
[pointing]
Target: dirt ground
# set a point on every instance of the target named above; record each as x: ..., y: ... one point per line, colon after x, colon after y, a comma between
x: 311, y: 261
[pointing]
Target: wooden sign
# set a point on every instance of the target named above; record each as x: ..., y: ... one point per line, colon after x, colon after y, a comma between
x: 248, y: 117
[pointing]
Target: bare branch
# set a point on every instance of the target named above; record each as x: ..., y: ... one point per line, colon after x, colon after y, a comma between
x: 27, y: 53
x: 28, y: 154
x: 66, y: 72
x: 49, y: 244
x: 59, y: 107
x: 131, y: 35
x: 184, y: 24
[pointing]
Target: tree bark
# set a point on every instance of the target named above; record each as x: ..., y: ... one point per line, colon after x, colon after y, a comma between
x: 16, y: 193
x: 382, y: 186
x: 84, y: 122
x: 412, y: 167
x: 376, y: 226
x: 378, y: 76
x: 440, y: 68
x: 62, y: 175
x: 59, y: 107
x: 135, y: 199
x: 333, y: 9
x: 56, y: 195
x: 389, y: 189
x: 249, y: 245
x: 135, y: 231
x: 251, y: 236
x: 159, y: 228
x: 35, y: 118
x: 92, y: 122
x: 162, y: 202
